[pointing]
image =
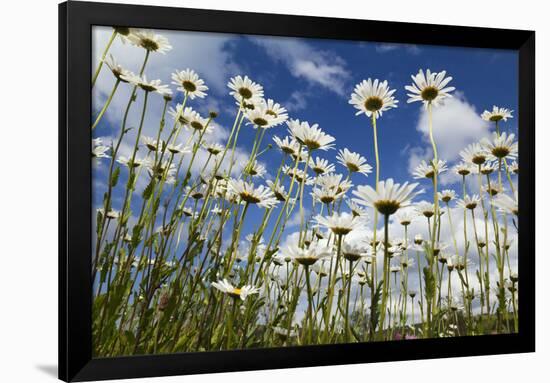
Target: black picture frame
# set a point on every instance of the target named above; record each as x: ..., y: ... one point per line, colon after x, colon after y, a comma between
x: 75, y: 222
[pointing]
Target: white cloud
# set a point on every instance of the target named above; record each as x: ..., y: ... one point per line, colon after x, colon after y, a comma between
x: 390, y: 47
x: 296, y: 102
x: 322, y: 68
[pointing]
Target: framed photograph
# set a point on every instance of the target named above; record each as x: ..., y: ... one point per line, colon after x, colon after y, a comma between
x: 246, y: 191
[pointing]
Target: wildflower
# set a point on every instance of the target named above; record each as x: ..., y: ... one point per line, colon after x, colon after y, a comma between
x: 261, y: 196
x: 118, y: 71
x: 307, y: 256
x: 149, y: 40
x: 98, y: 149
x: 244, y: 89
x: 243, y: 292
x: 404, y: 217
x: 469, y: 202
x: 354, y: 162
x: 424, y: 170
x: 373, y: 97
x: 429, y: 88
x: 189, y: 82
x: 321, y: 166
x: 310, y: 135
x: 340, y: 224
x: 501, y: 145
x: 148, y: 86
x: 507, y: 204
x: 213, y: 148
x: 389, y: 198
x: 447, y: 195
x: 474, y: 154
x: 463, y: 169
x: 497, y: 114
x: 288, y: 145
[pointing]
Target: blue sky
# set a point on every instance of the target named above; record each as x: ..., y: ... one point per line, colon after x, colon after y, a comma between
x: 314, y: 78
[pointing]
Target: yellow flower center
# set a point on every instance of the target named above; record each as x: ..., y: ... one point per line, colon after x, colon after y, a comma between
x: 429, y: 93
x: 373, y: 104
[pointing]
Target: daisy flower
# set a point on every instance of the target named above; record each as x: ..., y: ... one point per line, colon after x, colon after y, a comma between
x: 389, y: 198
x: 353, y: 250
x: 298, y: 174
x: 148, y: 86
x: 307, y: 256
x: 261, y: 196
x: 259, y: 117
x: 151, y: 143
x: 178, y: 149
x: 213, y: 148
x: 256, y: 170
x: 275, y: 110
x: 469, y: 202
x: 321, y: 166
x: 507, y: 204
x: 373, y: 97
x: 278, y: 191
x: 486, y: 169
x: 183, y: 116
x: 418, y: 240
x: 149, y: 40
x: 425, y: 170
x: 497, y: 114
x: 339, y: 224
x: 118, y: 71
x: 463, y: 169
x: 425, y: 209
x: 287, y: 145
x: 514, y: 167
x: 404, y: 217
x: 353, y: 161
x: 474, y: 154
x: 310, y: 136
x: 447, y: 195
x: 501, y: 145
x: 111, y: 214
x: 244, y: 89
x: 189, y: 82
x: 243, y: 292
x: 198, y: 123
x: 334, y: 182
x: 129, y: 163
x: 326, y: 195
x: 357, y: 210
x: 429, y: 88
x: 98, y: 149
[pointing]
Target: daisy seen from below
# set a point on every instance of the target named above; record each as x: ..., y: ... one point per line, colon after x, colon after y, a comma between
x: 425, y: 170
x: 235, y: 292
x: 307, y: 256
x: 149, y: 40
x: 373, y: 97
x: 501, y: 145
x: 321, y: 166
x: 261, y: 195
x: 245, y: 90
x: 189, y: 82
x: 339, y: 224
x: 389, y: 197
x: 507, y: 204
x: 429, y: 88
x: 354, y: 162
x: 497, y: 114
x: 310, y: 136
